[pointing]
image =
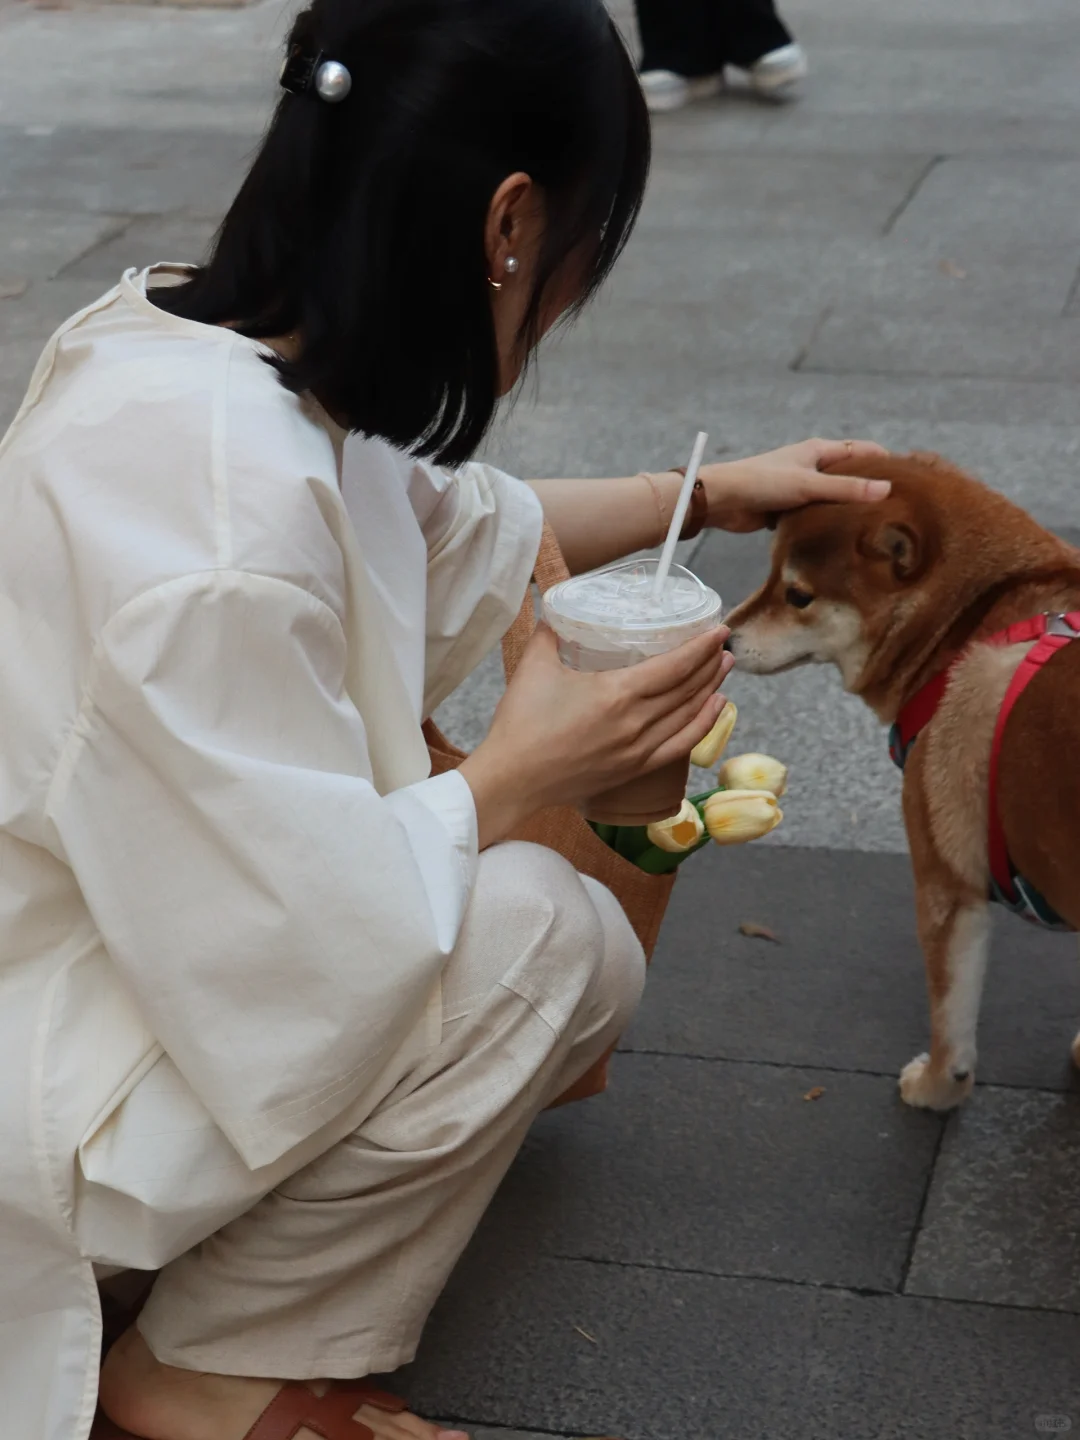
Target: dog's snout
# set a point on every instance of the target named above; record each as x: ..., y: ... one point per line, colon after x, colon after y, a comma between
x: 727, y: 645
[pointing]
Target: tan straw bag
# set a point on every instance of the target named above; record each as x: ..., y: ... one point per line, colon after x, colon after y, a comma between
x: 643, y: 897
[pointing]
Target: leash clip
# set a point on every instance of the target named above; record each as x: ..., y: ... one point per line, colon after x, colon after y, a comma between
x: 1061, y: 625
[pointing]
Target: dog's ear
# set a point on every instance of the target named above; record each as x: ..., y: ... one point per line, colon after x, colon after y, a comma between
x: 899, y: 543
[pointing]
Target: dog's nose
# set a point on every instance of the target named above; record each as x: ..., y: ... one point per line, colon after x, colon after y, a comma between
x: 727, y: 644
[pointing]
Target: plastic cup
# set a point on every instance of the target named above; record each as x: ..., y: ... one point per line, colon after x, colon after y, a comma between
x: 609, y: 619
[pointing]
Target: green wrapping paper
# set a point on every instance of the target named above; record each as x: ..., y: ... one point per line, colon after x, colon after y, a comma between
x: 632, y: 842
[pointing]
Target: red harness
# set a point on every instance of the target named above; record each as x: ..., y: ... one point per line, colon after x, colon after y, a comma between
x: 1050, y: 633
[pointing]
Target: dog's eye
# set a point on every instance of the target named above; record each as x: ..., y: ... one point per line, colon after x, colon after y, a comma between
x: 799, y: 598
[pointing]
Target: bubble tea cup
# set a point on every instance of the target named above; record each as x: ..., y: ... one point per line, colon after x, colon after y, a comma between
x: 609, y: 619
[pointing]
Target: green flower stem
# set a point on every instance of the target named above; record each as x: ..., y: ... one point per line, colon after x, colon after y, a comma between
x: 632, y: 842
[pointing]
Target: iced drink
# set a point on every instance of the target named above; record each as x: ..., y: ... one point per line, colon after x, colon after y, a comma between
x: 609, y: 619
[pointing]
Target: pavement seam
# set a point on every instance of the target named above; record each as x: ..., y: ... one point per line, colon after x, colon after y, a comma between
x: 120, y: 225
x: 864, y: 371
x: 860, y: 1292
x: 1072, y: 297
x: 828, y: 1069
x: 913, y: 190
x: 917, y: 1228
x: 801, y: 355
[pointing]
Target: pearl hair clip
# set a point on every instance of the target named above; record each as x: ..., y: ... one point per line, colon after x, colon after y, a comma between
x: 303, y: 72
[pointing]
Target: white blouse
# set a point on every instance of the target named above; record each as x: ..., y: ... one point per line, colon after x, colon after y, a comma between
x: 227, y: 883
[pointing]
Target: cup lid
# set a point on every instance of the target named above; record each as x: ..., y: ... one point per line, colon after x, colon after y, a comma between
x: 620, y: 595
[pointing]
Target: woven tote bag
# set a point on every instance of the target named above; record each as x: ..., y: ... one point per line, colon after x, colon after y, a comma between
x: 643, y: 897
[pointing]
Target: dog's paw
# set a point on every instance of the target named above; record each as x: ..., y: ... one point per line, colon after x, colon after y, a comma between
x: 922, y: 1087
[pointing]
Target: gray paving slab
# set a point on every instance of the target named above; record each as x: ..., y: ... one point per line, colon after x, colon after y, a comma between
x: 979, y: 209
x: 617, y: 341
x: 819, y: 128
x: 39, y: 244
x: 990, y: 344
x: 758, y: 266
x: 693, y: 1165
x: 145, y: 241
x: 1002, y: 1220
x: 675, y: 1356
x: 845, y: 986
x: 129, y: 172
x: 733, y: 193
x: 91, y: 66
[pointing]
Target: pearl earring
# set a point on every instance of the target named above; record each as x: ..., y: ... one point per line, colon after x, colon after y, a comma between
x: 511, y: 264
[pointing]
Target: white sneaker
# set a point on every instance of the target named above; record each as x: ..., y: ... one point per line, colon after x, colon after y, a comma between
x: 665, y: 90
x: 778, y: 73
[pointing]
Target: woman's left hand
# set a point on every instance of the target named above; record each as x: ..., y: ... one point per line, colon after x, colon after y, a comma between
x: 745, y: 494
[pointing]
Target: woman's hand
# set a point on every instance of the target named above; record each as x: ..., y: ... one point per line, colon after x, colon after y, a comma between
x: 559, y: 736
x: 745, y: 494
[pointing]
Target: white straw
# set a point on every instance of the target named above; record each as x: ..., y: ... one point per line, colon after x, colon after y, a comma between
x: 682, y: 504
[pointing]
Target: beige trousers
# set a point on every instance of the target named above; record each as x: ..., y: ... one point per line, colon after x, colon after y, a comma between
x: 334, y: 1272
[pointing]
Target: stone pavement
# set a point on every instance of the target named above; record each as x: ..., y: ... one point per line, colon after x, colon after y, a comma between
x: 704, y: 1252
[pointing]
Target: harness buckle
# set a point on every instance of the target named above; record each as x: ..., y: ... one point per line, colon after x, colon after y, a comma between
x: 1061, y: 625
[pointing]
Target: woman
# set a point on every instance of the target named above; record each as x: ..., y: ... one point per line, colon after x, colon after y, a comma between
x: 687, y: 44
x: 278, y: 1007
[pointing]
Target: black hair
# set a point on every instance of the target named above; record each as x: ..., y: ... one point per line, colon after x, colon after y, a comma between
x: 361, y: 224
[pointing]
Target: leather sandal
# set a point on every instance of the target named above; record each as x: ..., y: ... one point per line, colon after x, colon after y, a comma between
x: 293, y: 1408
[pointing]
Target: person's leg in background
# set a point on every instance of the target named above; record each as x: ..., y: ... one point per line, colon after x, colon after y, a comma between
x: 333, y: 1274
x: 687, y: 43
x: 750, y: 35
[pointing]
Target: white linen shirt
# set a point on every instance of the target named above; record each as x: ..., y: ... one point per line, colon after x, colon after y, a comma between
x: 228, y: 885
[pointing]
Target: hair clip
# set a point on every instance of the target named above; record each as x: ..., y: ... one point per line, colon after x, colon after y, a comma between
x: 303, y: 72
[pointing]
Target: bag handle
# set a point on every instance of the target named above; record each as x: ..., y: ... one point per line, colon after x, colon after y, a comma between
x: 549, y: 569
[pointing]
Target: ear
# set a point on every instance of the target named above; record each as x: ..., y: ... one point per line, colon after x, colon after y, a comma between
x: 897, y: 542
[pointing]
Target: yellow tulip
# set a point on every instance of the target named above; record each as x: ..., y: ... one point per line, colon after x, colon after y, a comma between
x: 678, y: 834
x: 732, y: 817
x: 754, y: 772
x: 707, y: 752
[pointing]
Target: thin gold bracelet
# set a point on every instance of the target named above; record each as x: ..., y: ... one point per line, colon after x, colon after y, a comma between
x: 650, y: 481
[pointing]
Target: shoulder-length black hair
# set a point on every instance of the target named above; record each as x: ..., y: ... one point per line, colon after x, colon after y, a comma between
x: 361, y: 224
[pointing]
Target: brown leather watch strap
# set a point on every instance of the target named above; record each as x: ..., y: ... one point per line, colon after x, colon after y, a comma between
x: 698, y: 513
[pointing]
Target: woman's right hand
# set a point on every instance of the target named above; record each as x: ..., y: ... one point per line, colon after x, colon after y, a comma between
x: 559, y: 736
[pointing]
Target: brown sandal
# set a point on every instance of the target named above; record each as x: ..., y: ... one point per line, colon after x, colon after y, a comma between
x: 293, y: 1408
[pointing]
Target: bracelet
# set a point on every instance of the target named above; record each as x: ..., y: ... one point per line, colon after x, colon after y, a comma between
x: 659, y: 504
x: 698, y: 513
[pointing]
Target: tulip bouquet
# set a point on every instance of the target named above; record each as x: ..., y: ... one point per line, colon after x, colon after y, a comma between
x: 742, y: 807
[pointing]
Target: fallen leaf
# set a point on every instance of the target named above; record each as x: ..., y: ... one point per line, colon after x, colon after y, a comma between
x: 591, y: 1338
x: 953, y: 270
x: 758, y: 932
x: 12, y: 289
x: 815, y: 1094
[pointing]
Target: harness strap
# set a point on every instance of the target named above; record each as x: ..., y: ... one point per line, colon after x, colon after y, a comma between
x: 1051, y: 634
x: 916, y: 715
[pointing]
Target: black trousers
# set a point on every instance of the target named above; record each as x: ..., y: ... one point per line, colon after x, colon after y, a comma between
x: 699, y: 37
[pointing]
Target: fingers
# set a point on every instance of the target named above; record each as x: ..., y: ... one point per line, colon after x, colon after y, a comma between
x: 834, y: 452
x: 663, y: 673
x: 844, y: 488
x: 693, y: 729
x: 693, y: 691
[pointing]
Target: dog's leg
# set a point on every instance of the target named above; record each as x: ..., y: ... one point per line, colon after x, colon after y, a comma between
x: 955, y: 936
x: 953, y: 916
